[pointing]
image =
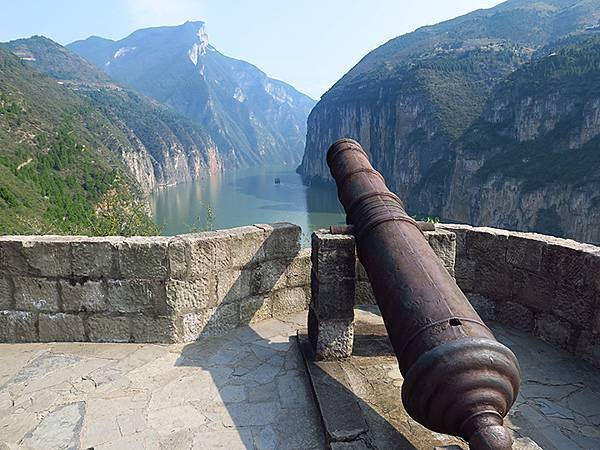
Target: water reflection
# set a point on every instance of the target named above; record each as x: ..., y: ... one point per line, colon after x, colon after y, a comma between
x: 244, y: 197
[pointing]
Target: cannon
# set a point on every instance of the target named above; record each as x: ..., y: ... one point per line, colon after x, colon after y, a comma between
x: 458, y: 379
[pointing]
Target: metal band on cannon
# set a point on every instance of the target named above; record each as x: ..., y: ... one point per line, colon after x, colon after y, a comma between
x: 458, y: 379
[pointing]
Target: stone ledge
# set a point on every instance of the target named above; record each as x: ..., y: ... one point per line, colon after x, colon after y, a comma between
x: 137, y: 289
x: 545, y: 285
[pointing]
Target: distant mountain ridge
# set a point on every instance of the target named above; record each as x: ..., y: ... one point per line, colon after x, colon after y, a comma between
x: 59, y: 172
x: 412, y: 100
x: 159, y: 146
x: 251, y: 118
x: 532, y: 159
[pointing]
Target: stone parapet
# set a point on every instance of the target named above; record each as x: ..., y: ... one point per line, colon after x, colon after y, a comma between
x: 339, y: 282
x: 333, y: 282
x: 149, y: 289
x: 541, y: 284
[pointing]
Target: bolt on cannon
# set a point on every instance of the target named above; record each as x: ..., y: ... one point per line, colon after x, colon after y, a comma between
x: 458, y: 379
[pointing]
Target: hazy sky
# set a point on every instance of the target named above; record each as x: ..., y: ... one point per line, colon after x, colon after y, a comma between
x: 308, y: 43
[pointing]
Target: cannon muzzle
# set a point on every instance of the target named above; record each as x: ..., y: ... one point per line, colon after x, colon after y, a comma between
x: 458, y: 379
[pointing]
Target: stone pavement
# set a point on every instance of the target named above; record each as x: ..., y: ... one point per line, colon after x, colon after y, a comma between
x: 558, y: 406
x: 245, y: 390
x: 249, y: 390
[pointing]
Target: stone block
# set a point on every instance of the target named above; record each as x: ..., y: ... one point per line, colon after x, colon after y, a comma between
x: 592, y: 278
x: 515, y: 315
x: 361, y: 273
x: 36, y: 294
x: 196, y: 294
x: 145, y: 329
x: 588, y: 347
x: 460, y: 233
x: 95, y: 258
x: 202, y: 248
x: 492, y: 277
x: 238, y: 248
x: 464, y: 273
x: 144, y: 257
x: 443, y: 244
x: 491, y: 242
x: 130, y: 296
x: 6, y: 294
x: 222, y: 319
x: 87, y: 296
x: 333, y: 300
x: 107, y: 328
x: 282, y: 240
x: 245, y: 247
x: 297, y: 272
x: 485, y: 307
x: 525, y: 252
x: 48, y: 256
x: 234, y: 285
x: 61, y: 327
x: 333, y: 256
x: 18, y: 326
x: 596, y: 320
x: 364, y: 294
x: 269, y: 276
x: 575, y: 304
x: 178, y: 255
x: 255, y: 309
x: 480, y: 262
x: 288, y: 301
x: 12, y: 260
x: 565, y: 263
x: 330, y: 339
x: 192, y: 325
x: 533, y: 290
x: 555, y: 330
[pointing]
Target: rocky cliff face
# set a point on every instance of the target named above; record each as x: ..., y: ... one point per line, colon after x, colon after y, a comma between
x: 532, y: 160
x: 159, y: 146
x: 392, y: 123
x: 414, y: 101
x: 250, y: 118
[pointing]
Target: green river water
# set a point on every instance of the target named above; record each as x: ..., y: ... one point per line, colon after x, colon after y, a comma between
x: 246, y: 197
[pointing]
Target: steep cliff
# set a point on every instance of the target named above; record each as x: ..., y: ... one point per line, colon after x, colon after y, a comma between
x: 251, y: 118
x: 409, y: 100
x: 532, y: 160
x: 159, y: 146
x: 57, y: 173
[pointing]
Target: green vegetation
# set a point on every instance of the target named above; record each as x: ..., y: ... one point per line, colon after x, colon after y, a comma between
x: 570, y: 64
x: 56, y: 173
x: 206, y: 224
x: 56, y: 61
x: 458, y: 84
x: 569, y: 71
x: 157, y: 127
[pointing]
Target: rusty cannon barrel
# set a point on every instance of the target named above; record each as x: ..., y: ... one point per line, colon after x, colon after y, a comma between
x: 458, y: 379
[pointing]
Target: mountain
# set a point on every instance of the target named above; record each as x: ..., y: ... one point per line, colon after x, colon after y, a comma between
x: 57, y: 173
x: 410, y: 101
x: 251, y: 118
x: 532, y: 159
x: 159, y: 146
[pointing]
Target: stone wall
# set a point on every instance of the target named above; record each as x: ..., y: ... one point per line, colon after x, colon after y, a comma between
x: 113, y: 289
x: 541, y: 284
x: 339, y: 282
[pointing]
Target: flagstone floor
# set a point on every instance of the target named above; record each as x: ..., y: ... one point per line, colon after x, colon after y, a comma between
x: 244, y: 390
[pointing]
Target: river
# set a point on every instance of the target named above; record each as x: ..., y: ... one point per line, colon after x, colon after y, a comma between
x: 246, y: 197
